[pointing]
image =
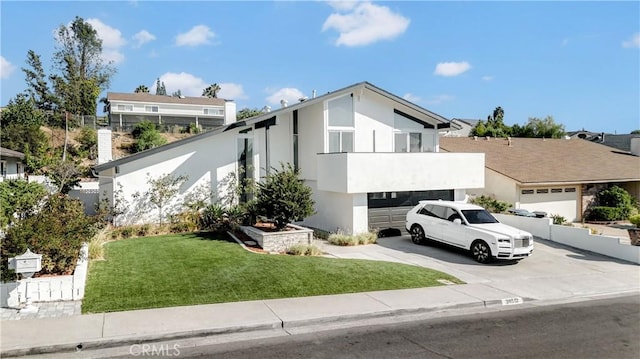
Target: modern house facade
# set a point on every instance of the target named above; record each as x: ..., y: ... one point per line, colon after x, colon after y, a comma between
x: 556, y: 176
x: 365, y: 152
x: 11, y: 164
x: 127, y: 109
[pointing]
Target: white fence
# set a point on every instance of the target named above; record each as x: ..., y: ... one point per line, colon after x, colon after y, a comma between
x: 575, y: 237
x: 48, y: 289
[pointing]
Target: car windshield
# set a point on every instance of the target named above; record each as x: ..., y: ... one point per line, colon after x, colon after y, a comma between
x: 478, y: 216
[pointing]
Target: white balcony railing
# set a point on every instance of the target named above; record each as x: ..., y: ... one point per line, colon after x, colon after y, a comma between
x: 384, y: 172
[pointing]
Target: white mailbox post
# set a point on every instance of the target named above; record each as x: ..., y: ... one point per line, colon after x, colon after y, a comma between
x: 27, y: 264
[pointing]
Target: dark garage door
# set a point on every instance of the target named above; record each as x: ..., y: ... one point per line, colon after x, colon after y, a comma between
x: 389, y: 209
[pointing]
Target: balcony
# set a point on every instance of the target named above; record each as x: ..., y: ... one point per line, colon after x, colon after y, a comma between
x: 382, y: 172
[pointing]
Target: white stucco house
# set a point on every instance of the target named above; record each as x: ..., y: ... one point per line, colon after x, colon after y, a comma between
x: 556, y: 176
x: 367, y: 154
x: 11, y: 164
x: 126, y: 109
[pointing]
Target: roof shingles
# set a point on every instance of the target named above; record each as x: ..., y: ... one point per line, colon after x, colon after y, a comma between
x: 536, y: 161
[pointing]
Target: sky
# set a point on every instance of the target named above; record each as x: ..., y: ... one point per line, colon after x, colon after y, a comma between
x: 578, y: 62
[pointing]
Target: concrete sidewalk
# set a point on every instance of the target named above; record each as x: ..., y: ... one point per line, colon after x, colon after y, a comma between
x: 555, y: 274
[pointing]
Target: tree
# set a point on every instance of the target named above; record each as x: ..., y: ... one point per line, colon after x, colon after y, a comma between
x: 177, y: 93
x: 18, y: 200
x: 211, y: 91
x: 283, y: 197
x: 247, y: 112
x: 38, y: 86
x: 83, y: 75
x: 162, y: 191
x: 65, y: 175
x: 160, y: 88
x: 635, y: 132
x: 141, y: 89
x: 536, y: 127
x: 147, y: 136
x: 494, y: 126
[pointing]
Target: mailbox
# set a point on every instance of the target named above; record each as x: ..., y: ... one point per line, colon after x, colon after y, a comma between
x: 27, y: 263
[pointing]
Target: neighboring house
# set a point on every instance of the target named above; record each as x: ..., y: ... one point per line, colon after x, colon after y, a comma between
x: 367, y: 154
x: 459, y: 128
x: 621, y: 142
x: 11, y: 166
x: 127, y: 109
x: 557, y: 176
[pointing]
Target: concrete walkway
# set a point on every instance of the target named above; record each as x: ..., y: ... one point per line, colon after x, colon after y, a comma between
x: 554, y: 274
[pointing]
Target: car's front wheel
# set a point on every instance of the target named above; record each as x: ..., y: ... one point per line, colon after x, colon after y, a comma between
x: 481, y: 252
x: 417, y: 234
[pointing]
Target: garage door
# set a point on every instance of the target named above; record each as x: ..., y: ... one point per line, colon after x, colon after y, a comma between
x: 389, y: 209
x: 552, y: 200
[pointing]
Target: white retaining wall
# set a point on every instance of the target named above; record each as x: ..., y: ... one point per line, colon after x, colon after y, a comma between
x: 575, y: 237
x: 48, y: 289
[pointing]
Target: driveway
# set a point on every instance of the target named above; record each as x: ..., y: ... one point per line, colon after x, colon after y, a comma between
x: 554, y: 271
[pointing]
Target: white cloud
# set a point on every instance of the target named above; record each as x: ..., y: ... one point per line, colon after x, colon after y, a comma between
x: 198, y: 35
x: 290, y: 94
x: 487, y: 78
x: 231, y: 91
x: 634, y: 41
x: 6, y: 68
x: 436, y: 100
x: 364, y: 23
x: 112, y: 41
x: 412, y: 98
x: 142, y: 37
x: 451, y: 68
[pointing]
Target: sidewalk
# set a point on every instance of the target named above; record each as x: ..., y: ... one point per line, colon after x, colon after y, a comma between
x: 488, y: 288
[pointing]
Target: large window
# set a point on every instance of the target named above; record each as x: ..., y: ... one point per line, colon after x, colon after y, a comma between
x: 125, y: 107
x: 213, y: 111
x: 245, y: 164
x: 340, y: 141
x: 151, y: 108
x: 340, y: 124
x: 407, y: 134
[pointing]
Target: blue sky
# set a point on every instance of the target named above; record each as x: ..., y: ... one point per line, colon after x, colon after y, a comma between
x: 576, y: 61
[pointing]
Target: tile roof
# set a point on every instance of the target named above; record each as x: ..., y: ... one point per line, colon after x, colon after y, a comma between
x: 7, y: 153
x: 146, y: 97
x: 536, y: 161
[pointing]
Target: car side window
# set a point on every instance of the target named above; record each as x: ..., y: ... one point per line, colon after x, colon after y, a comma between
x: 452, y: 214
x: 426, y: 210
x: 439, y: 211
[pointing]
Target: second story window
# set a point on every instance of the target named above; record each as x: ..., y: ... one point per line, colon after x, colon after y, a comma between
x: 340, y: 129
x: 151, y: 108
x: 340, y: 141
x: 125, y: 107
x: 213, y: 111
x: 408, y: 142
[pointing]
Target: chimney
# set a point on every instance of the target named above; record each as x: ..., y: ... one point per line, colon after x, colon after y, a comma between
x: 313, y: 94
x: 635, y: 145
x: 104, y: 146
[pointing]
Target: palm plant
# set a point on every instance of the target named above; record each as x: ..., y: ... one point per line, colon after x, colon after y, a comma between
x: 211, y: 91
x: 141, y: 89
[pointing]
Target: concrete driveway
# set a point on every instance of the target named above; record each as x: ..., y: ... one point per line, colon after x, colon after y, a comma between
x: 554, y: 271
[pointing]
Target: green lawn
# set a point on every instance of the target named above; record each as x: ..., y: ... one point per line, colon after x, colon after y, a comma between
x: 204, y: 268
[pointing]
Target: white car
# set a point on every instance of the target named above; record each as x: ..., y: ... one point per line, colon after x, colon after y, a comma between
x: 470, y: 227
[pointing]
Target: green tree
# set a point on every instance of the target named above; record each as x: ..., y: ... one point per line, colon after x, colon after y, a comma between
x: 18, y: 200
x: 65, y: 175
x: 162, y: 191
x: 211, y: 91
x: 546, y: 128
x: 494, y: 126
x: 283, y: 198
x: 247, y: 112
x: 147, y: 136
x: 160, y: 88
x: 38, y: 87
x: 88, y: 140
x: 177, y: 93
x: 141, y: 89
x: 635, y: 132
x: 83, y: 75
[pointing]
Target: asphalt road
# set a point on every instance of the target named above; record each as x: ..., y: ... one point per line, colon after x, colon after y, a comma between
x: 608, y: 328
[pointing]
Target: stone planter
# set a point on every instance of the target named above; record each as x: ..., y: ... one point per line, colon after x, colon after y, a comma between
x: 634, y: 236
x: 279, y: 242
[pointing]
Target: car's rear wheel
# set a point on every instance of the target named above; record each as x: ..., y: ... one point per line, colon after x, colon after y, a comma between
x: 417, y: 234
x: 481, y: 252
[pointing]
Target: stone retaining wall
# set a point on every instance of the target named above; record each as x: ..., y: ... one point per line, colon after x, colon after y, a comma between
x: 279, y: 241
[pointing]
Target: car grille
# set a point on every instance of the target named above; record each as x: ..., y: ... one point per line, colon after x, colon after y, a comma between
x: 521, y: 243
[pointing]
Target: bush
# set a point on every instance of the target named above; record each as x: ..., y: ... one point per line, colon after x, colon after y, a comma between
x: 283, y: 197
x: 601, y: 213
x: 558, y: 219
x: 147, y: 136
x: 57, y: 232
x: 304, y: 250
x: 491, y: 204
x: 635, y: 220
x: 367, y: 238
x: 341, y: 239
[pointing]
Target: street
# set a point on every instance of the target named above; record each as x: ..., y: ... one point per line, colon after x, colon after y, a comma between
x: 606, y: 328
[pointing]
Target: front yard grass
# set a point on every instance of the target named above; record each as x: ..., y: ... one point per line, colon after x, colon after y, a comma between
x: 205, y: 268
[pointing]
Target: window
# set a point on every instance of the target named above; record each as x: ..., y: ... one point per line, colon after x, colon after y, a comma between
x: 340, y: 112
x: 295, y: 139
x: 527, y: 191
x: 544, y: 190
x: 569, y: 189
x: 245, y: 164
x: 408, y: 142
x: 556, y: 190
x: 151, y: 108
x: 213, y: 111
x: 340, y: 141
x: 125, y: 107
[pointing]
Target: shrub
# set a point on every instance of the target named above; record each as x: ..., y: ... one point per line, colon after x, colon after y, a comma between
x: 558, y: 219
x: 601, y: 213
x: 367, y: 238
x: 57, y: 232
x: 19, y: 199
x: 635, y: 220
x: 341, y: 239
x: 304, y: 250
x: 212, y: 216
x: 147, y: 136
x: 491, y: 204
x: 283, y: 197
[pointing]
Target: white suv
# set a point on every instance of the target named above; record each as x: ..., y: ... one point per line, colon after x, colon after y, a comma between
x: 470, y: 227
